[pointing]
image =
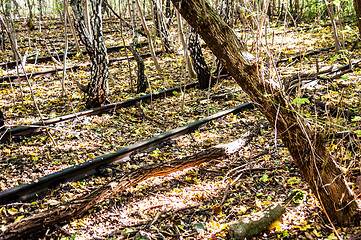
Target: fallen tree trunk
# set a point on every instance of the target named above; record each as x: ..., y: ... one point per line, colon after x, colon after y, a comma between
x: 249, y: 226
x: 306, y: 146
x: 255, y: 223
x: 72, y: 209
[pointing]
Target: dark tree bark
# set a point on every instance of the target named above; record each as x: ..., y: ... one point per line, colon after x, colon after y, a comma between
x: 30, y: 23
x: 155, y: 19
x: 357, y: 6
x: 199, y: 64
x: 2, y: 119
x: 141, y: 82
x: 2, y: 35
x: 306, y: 146
x: 40, y: 8
x: 94, y: 42
x: 168, y: 9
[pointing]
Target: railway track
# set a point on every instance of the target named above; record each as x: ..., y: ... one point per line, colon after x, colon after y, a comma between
x: 53, y: 71
x: 12, y: 64
x: 28, y: 191
x: 36, y: 127
x: 24, y: 130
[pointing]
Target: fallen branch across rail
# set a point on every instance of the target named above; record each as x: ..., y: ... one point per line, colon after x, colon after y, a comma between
x: 28, y: 191
x: 75, y: 207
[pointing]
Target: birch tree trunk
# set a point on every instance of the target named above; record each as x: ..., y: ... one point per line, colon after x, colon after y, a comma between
x: 306, y: 146
x: 94, y: 42
x: 187, y: 60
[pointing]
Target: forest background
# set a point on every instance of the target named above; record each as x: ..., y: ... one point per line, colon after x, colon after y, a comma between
x: 93, y: 142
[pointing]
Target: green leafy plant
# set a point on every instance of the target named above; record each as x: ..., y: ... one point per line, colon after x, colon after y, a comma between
x: 300, y: 101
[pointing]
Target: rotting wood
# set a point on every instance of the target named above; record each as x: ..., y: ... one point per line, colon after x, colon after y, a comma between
x: 75, y: 207
x: 249, y: 226
x: 293, y: 82
x: 253, y: 224
x: 28, y: 191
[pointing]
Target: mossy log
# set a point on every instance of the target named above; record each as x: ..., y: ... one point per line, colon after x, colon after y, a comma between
x: 251, y: 225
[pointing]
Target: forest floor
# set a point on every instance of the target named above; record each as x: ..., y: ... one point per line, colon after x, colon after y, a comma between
x: 197, y: 203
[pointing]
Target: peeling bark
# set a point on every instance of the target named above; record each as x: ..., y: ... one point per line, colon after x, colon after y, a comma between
x: 94, y: 42
x: 306, y: 146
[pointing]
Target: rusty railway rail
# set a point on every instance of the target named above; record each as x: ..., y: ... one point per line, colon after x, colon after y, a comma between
x: 29, y: 191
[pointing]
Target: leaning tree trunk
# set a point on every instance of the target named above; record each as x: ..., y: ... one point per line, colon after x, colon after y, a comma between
x: 199, y: 64
x: 94, y: 42
x: 357, y: 6
x: 306, y: 146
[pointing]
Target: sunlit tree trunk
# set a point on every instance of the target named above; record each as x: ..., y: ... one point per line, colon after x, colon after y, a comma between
x: 85, y: 4
x: 306, y: 146
x: 72, y: 28
x: 40, y: 8
x: 94, y: 42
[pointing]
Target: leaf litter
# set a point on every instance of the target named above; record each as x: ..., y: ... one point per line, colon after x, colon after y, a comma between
x: 194, y: 203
